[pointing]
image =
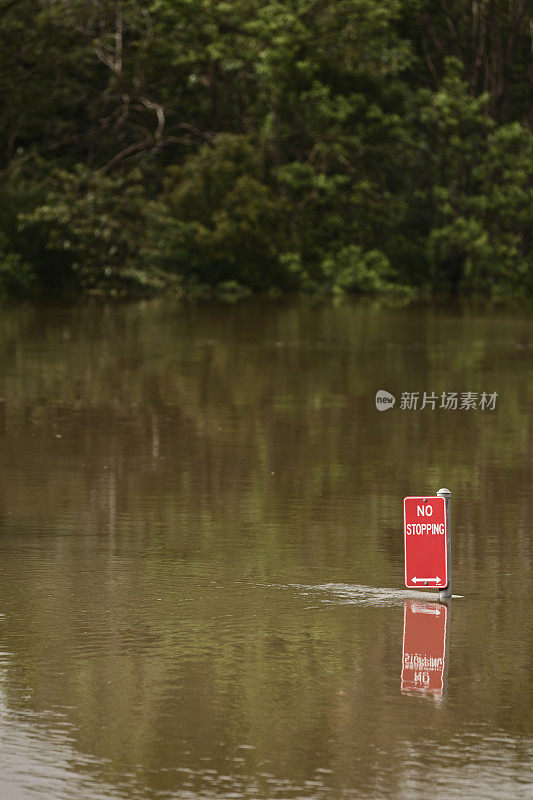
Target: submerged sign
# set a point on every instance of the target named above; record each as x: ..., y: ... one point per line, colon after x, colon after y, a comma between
x: 424, y: 648
x: 424, y: 534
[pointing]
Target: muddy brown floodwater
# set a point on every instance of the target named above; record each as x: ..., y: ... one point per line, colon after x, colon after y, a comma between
x: 201, y: 553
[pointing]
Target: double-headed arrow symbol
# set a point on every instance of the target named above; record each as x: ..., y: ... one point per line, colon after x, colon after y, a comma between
x: 421, y: 610
x: 422, y: 580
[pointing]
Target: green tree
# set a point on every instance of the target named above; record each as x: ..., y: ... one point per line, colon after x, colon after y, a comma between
x: 478, y: 191
x: 287, y: 144
x: 224, y: 222
x: 102, y: 229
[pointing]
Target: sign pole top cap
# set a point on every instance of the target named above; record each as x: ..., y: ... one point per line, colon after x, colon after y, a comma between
x: 444, y: 493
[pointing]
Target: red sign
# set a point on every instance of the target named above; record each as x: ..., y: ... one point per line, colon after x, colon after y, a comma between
x: 424, y: 647
x: 424, y: 535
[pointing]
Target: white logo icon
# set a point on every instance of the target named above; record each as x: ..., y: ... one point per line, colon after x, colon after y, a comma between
x: 384, y: 400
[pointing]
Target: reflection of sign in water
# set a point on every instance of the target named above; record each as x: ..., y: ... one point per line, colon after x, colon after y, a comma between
x: 424, y: 647
x: 424, y: 533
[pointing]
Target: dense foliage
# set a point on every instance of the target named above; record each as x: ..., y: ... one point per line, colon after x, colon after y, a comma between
x: 244, y: 145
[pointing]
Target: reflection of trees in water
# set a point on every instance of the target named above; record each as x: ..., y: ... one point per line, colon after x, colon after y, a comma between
x: 196, y: 408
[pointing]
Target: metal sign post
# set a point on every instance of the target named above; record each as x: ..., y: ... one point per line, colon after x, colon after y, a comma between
x: 446, y: 593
